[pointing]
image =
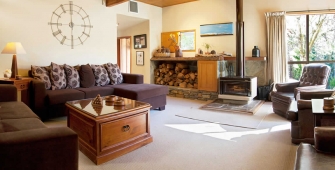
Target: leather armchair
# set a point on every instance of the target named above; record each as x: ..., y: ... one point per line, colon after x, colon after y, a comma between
x: 314, y: 77
x: 319, y: 156
x: 301, y: 116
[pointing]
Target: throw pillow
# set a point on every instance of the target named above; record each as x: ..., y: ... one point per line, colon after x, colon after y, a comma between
x: 114, y: 73
x: 72, y: 77
x: 41, y: 73
x: 86, y: 76
x: 58, y: 78
x: 101, y: 75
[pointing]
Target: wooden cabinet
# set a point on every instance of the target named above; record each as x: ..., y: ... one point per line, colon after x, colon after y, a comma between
x: 22, y: 88
x: 207, y: 75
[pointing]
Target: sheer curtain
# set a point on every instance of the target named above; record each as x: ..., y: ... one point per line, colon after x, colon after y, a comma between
x: 276, y: 47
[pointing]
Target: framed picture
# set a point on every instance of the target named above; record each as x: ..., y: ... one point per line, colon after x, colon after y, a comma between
x: 140, y: 58
x: 216, y: 29
x: 140, y: 41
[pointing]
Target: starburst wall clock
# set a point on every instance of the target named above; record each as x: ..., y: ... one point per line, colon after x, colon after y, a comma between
x: 70, y: 24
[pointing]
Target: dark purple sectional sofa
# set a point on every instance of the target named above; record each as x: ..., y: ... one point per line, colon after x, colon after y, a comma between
x: 25, y: 141
x: 50, y: 103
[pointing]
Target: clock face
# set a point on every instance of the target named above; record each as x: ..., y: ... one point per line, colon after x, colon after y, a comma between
x: 70, y: 24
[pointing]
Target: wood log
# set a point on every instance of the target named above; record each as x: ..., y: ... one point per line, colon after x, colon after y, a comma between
x: 160, y: 66
x: 184, y: 71
x: 179, y: 80
x: 187, y: 76
x: 171, y: 83
x: 176, y: 84
x: 170, y: 66
x: 163, y: 65
x: 162, y: 82
x: 180, y: 75
x: 192, y: 75
x: 182, y: 65
x: 171, y: 72
x: 177, y: 69
x: 195, y: 85
x: 189, y: 85
x: 183, y: 84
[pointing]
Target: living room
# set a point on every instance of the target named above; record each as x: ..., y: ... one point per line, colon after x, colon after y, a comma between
x: 178, y: 143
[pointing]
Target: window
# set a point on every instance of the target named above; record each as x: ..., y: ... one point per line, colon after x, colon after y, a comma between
x: 184, y: 39
x: 310, y: 39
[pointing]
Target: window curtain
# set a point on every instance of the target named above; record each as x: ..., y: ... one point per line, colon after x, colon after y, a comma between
x: 276, y: 47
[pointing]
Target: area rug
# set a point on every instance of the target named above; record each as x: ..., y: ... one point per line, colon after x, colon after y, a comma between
x: 234, y: 106
x: 218, y: 111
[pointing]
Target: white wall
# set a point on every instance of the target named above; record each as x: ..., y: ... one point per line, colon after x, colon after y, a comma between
x: 192, y: 15
x: 27, y: 22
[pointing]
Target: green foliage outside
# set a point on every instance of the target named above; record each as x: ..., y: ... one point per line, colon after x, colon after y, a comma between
x: 321, y: 42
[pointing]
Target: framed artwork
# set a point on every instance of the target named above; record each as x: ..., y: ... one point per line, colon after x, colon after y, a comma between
x: 140, y: 41
x: 216, y: 29
x: 140, y: 58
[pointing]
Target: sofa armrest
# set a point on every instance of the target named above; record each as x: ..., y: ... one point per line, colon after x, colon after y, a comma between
x: 38, y: 95
x: 8, y: 93
x: 324, y: 139
x: 318, y: 94
x: 132, y: 78
x: 286, y: 87
x: 45, y: 148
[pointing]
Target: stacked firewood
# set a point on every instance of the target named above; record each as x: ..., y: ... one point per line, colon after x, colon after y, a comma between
x: 178, y: 75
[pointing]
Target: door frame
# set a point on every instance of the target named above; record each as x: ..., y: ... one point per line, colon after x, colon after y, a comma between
x: 118, y: 50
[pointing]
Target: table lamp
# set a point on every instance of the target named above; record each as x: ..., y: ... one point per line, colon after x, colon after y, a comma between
x: 13, y: 48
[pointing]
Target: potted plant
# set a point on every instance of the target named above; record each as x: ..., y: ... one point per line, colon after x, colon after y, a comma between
x: 207, y: 46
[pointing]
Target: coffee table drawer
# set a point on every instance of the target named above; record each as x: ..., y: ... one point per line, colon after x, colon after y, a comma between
x: 124, y: 129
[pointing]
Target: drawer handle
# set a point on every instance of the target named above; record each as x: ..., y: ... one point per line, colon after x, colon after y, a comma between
x: 125, y: 128
x: 22, y: 86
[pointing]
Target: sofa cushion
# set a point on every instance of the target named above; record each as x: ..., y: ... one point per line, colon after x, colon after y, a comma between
x: 139, y: 91
x: 41, y: 73
x: 100, y: 74
x: 64, y: 95
x: 114, y: 73
x: 15, y: 110
x: 72, y: 77
x: 86, y: 76
x: 58, y: 77
x: 94, y: 91
x: 10, y: 125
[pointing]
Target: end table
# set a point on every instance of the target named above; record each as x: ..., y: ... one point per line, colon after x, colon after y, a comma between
x: 22, y: 88
x: 319, y: 113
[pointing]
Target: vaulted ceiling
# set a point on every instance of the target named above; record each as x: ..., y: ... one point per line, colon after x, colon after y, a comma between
x: 159, y: 3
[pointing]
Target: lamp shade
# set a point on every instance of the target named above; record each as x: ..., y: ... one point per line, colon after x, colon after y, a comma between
x: 13, y: 48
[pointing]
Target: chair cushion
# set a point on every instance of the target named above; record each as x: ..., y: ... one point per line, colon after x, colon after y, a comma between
x: 72, y: 77
x: 101, y: 75
x: 139, y: 91
x: 64, y: 95
x: 10, y: 125
x: 94, y: 91
x: 58, y: 77
x: 41, y: 73
x: 86, y: 76
x: 314, y: 74
x: 15, y: 110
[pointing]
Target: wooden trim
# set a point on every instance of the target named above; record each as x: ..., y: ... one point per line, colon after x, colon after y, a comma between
x: 110, y: 3
x: 118, y: 50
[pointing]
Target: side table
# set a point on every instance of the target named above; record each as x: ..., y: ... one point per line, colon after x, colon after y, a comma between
x: 319, y: 113
x: 22, y: 88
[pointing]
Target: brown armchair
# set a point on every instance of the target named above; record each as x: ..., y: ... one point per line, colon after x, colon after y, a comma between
x: 313, y: 77
x: 319, y: 156
x: 301, y: 116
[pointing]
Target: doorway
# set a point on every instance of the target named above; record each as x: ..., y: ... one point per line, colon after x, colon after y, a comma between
x: 124, y: 53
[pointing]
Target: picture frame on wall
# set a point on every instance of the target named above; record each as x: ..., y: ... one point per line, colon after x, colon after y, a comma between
x: 216, y: 29
x: 140, y: 41
x: 140, y: 58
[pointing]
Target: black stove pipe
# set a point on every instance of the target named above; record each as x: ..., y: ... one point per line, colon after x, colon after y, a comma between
x: 240, y: 61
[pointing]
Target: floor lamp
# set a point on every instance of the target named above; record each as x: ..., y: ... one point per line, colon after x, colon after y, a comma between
x: 13, y: 48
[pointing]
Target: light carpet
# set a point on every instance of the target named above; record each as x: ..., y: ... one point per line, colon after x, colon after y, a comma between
x: 229, y: 117
x: 184, y: 144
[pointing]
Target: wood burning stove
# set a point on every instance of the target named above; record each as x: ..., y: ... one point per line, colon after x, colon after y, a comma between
x: 235, y: 86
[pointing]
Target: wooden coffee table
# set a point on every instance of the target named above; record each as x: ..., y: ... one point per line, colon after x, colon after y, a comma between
x: 109, y: 131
